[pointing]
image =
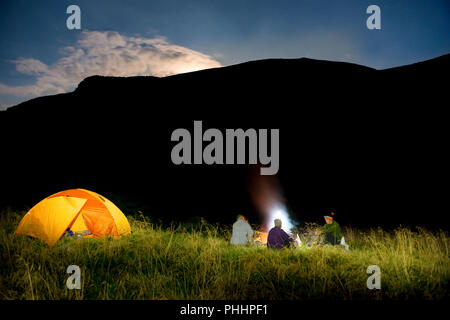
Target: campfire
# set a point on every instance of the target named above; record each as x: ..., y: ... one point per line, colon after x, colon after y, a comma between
x: 260, y: 238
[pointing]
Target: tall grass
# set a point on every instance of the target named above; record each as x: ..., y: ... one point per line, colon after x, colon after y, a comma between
x: 175, y: 263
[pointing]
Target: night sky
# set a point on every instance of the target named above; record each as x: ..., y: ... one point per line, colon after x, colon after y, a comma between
x: 40, y: 56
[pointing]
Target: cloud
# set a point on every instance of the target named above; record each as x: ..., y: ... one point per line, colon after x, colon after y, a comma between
x: 4, y: 106
x: 106, y: 53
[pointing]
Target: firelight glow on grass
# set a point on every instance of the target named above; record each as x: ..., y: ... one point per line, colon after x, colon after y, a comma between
x: 157, y: 262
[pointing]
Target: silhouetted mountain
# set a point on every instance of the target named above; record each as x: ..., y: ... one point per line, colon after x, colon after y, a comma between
x: 367, y: 143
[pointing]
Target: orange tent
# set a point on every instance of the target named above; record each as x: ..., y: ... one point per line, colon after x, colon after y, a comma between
x: 79, y: 210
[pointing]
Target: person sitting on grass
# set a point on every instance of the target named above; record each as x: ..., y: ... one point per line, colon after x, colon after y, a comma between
x: 278, y: 238
x: 332, y: 230
x: 242, y: 232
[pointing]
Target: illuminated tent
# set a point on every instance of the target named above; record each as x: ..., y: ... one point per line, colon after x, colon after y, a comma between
x: 82, y: 211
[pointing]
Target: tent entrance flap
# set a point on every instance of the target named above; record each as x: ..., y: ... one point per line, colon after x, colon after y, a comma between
x: 50, y: 218
x: 78, y: 224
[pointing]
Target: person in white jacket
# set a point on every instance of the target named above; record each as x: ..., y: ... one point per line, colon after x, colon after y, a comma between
x: 242, y: 232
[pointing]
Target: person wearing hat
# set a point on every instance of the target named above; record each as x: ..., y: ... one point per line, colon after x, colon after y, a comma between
x: 332, y: 230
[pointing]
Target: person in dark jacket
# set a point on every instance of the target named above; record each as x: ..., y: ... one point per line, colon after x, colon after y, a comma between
x: 278, y: 238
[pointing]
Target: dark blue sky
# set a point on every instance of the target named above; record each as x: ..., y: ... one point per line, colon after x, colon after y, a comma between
x: 229, y: 32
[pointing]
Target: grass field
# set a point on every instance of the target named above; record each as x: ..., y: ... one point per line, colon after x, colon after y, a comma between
x: 173, y: 263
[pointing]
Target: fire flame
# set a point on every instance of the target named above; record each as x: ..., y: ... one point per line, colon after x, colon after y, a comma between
x: 267, y: 199
x: 261, y: 237
x: 281, y: 214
